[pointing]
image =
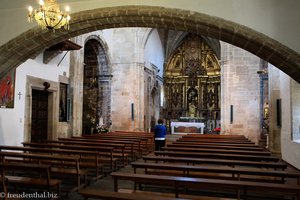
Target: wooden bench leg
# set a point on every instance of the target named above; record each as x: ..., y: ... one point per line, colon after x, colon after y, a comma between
x: 238, y: 194
x: 115, y: 184
x: 176, y: 190
x: 140, y: 187
x: 245, y: 193
x: 58, y: 190
x: 4, y: 186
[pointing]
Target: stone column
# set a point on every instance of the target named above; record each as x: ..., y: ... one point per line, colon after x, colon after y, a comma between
x: 76, y: 88
x: 240, y: 93
x: 274, y: 95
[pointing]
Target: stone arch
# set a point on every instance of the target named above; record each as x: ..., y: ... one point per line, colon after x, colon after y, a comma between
x: 34, y: 41
x: 97, y: 84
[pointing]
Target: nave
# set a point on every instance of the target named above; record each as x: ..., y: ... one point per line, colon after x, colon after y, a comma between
x: 123, y: 165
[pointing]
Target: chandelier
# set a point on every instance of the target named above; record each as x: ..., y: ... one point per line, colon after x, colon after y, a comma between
x: 48, y: 15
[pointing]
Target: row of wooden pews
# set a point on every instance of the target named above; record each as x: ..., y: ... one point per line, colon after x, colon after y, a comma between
x: 208, y: 167
x: 69, y: 164
x: 63, y: 165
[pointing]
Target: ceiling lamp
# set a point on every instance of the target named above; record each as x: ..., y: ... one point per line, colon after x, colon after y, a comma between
x: 48, y: 15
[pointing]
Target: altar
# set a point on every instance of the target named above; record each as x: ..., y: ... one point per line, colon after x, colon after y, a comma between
x: 187, y: 125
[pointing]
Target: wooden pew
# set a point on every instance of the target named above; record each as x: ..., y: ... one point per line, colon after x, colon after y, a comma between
x: 42, y: 176
x: 140, y: 143
x: 203, y: 146
x: 236, y: 173
x: 103, y: 194
x: 135, y: 132
x: 217, y: 155
x: 226, y: 162
x: 213, y: 150
x: 214, y: 136
x: 129, y: 145
x: 95, y: 164
x: 177, y: 182
x: 242, y: 141
x: 216, y: 144
x: 118, y: 149
x: 149, y: 135
x: 215, y: 141
x: 99, y: 149
x: 147, y: 140
x: 64, y: 165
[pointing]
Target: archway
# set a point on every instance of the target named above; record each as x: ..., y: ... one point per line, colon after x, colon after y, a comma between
x: 96, y: 87
x: 32, y: 42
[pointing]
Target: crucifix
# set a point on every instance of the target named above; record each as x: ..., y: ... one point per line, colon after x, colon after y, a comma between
x: 19, y: 94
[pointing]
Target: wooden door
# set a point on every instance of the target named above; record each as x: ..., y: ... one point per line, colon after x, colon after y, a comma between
x: 39, y: 119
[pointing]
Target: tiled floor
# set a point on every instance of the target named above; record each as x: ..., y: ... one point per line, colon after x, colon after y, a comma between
x: 105, y: 183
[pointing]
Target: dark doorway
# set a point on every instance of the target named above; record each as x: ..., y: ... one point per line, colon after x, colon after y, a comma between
x: 39, y: 119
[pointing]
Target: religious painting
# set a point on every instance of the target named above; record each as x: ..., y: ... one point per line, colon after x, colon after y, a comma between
x: 7, y: 90
x: 63, y: 102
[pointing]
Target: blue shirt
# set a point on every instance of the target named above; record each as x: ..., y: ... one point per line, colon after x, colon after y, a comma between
x: 160, y: 131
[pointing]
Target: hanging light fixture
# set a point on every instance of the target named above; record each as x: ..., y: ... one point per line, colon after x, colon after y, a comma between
x: 48, y: 15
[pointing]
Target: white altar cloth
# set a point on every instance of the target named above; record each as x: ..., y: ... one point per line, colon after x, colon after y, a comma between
x: 187, y: 124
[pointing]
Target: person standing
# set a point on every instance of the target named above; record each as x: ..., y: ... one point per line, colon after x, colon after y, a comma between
x: 160, y: 132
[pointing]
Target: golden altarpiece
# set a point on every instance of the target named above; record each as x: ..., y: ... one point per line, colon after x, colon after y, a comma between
x: 192, y: 84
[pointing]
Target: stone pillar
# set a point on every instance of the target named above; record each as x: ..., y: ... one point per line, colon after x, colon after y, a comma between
x: 76, y: 87
x: 274, y: 94
x: 127, y: 89
x: 240, y: 93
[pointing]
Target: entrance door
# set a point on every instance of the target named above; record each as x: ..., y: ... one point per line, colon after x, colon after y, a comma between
x: 39, y: 119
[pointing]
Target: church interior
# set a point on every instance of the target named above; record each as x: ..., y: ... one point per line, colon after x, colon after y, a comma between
x: 81, y: 101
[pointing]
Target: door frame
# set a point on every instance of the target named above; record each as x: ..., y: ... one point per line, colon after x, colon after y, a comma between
x: 53, y: 106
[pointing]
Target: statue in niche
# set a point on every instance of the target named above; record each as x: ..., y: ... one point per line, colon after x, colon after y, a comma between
x: 192, y: 101
x: 192, y: 110
x: 211, y: 97
x: 192, y: 96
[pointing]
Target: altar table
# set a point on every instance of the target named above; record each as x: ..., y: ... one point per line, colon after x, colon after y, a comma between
x: 187, y: 124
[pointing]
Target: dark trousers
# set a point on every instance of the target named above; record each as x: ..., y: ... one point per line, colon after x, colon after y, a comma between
x: 159, y: 144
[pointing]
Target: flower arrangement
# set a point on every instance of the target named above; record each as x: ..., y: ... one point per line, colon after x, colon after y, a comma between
x: 91, y: 119
x: 96, y: 127
x: 101, y: 129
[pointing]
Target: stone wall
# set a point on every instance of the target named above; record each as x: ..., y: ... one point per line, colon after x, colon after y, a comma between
x: 240, y: 90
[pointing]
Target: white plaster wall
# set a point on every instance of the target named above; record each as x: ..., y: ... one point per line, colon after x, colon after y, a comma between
x: 289, y: 149
x: 154, y: 52
x: 12, y: 120
x: 240, y: 88
x: 295, y: 108
x: 275, y: 18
